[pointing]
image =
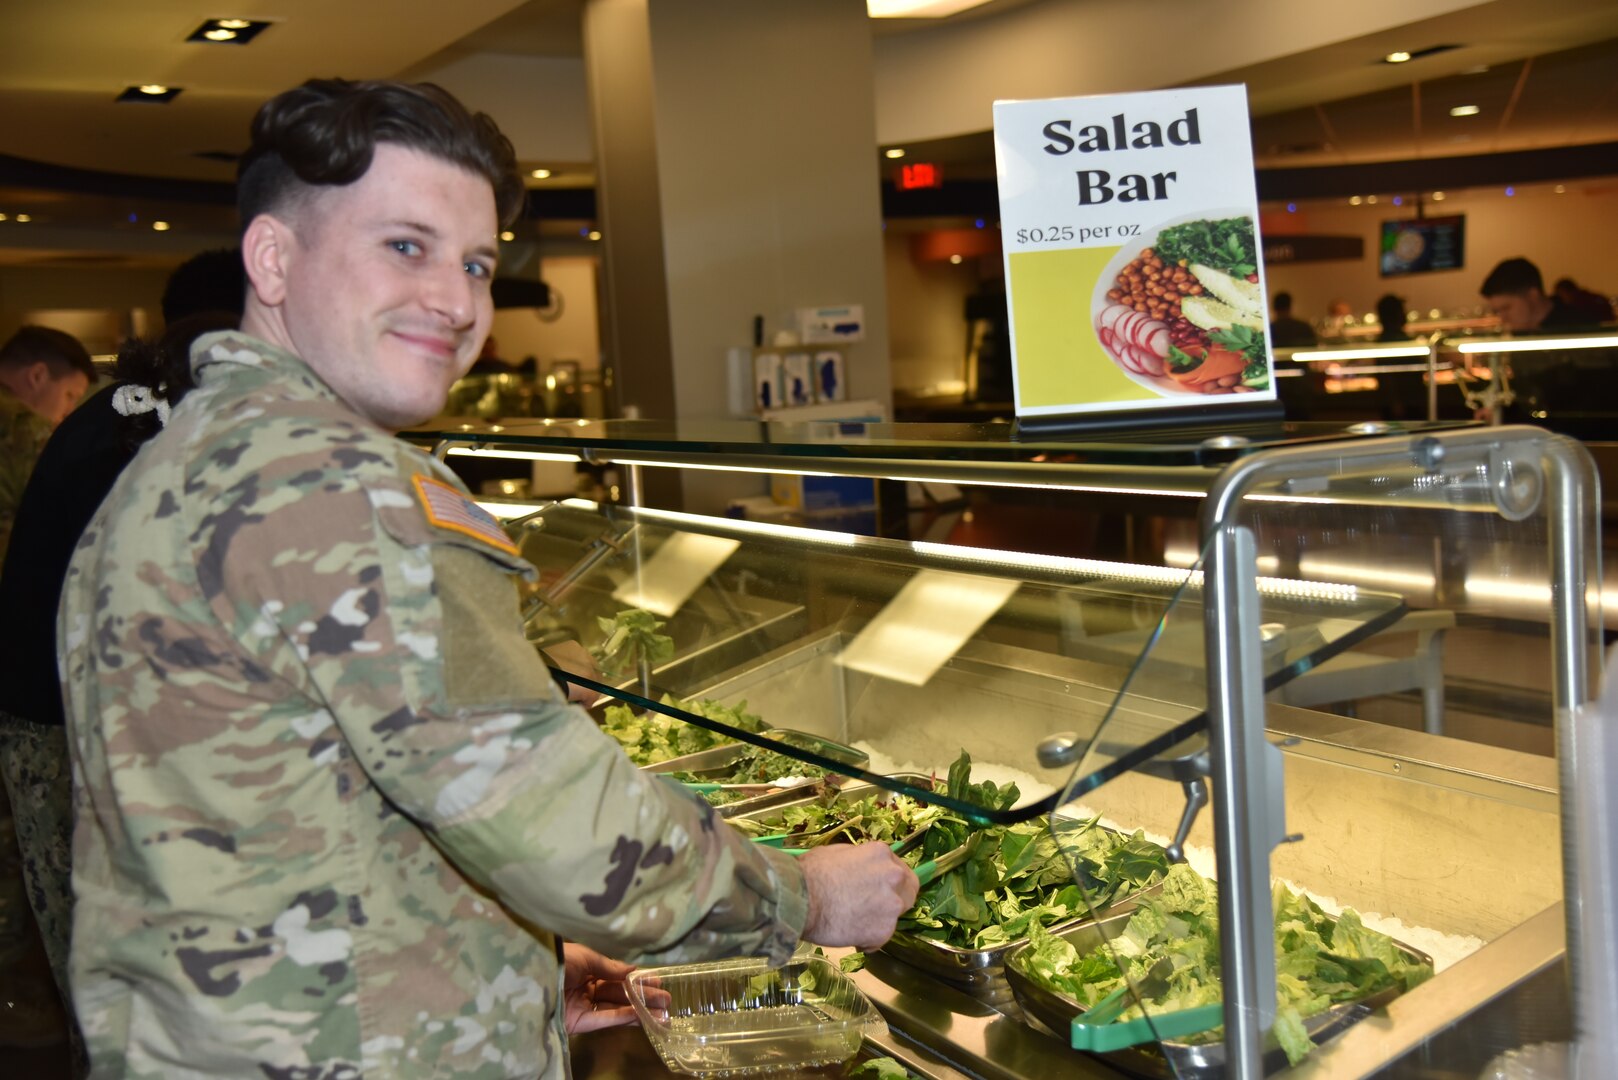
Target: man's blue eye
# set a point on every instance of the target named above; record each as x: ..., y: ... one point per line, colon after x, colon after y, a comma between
x: 405, y: 247
x: 478, y: 270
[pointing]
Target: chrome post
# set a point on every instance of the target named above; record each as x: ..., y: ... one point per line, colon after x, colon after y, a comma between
x: 1432, y: 379
x: 442, y: 447
x: 1243, y: 831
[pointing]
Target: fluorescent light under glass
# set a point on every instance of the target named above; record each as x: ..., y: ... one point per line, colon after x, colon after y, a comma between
x: 1545, y: 344
x: 917, y: 9
x: 1388, y: 353
x: 515, y: 455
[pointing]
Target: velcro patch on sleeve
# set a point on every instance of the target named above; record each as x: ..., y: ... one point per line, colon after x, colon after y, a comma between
x: 448, y: 507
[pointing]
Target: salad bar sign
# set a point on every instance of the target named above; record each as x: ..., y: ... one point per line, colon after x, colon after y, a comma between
x: 1129, y: 224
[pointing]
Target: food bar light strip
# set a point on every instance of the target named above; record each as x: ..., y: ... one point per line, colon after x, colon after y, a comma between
x: 1548, y: 344
x: 516, y: 455
x: 1389, y: 353
x: 718, y: 524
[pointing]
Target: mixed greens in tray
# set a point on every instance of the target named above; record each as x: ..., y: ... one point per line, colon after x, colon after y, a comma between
x: 1018, y: 878
x: 754, y: 766
x: 882, y: 817
x: 632, y: 639
x: 649, y: 738
x: 1170, y: 951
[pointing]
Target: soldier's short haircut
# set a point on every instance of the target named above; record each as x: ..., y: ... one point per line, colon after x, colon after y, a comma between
x: 325, y: 132
x: 60, y: 352
x: 1514, y: 276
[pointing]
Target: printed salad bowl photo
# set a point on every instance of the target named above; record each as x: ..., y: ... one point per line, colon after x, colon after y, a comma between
x: 1180, y: 309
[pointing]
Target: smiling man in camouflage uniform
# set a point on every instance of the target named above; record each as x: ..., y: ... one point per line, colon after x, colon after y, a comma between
x: 331, y: 809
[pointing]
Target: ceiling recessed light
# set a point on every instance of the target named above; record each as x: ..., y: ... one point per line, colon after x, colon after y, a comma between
x: 149, y: 93
x: 228, y: 31
x: 1465, y: 110
x: 1396, y: 58
x: 955, y: 260
x: 1438, y: 196
x: 1561, y: 189
x: 160, y: 226
x: 895, y: 153
x: 24, y: 218
x: 541, y: 174
x: 1371, y: 199
x: 3, y: 217
x: 508, y: 236
x: 1354, y: 200
x: 594, y: 234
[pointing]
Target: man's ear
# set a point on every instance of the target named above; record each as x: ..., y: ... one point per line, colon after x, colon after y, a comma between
x: 36, y: 376
x: 267, y: 247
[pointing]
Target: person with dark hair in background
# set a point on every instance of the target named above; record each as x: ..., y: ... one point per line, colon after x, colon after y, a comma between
x: 1390, y: 315
x: 333, y: 817
x: 1515, y: 293
x: 75, y: 470
x: 43, y: 374
x: 1286, y: 330
x: 1587, y: 305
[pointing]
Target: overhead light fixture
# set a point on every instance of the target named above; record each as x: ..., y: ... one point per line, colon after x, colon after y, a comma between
x: 1561, y: 189
x: 541, y: 174
x: 1438, y: 196
x: 594, y: 234
x: 1371, y: 199
x: 3, y: 217
x: 149, y: 93
x: 228, y: 31
x: 955, y: 260
x: 917, y: 9
x: 896, y: 153
x: 1396, y: 58
x: 508, y: 236
x: 1465, y: 110
x: 160, y: 226
x: 1354, y: 200
x: 24, y: 218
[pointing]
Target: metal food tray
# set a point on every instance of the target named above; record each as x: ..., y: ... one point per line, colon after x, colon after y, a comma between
x: 1054, y: 1013
x: 717, y: 760
x: 857, y: 791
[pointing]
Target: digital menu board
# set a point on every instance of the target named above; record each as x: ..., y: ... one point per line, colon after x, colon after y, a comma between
x: 1420, y: 246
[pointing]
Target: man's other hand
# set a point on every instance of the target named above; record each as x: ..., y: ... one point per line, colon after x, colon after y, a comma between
x: 856, y: 893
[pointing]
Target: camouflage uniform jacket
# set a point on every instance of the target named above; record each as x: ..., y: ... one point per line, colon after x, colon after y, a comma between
x: 326, y: 792
x: 23, y: 434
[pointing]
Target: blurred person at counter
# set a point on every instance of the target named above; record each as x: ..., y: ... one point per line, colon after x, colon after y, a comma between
x: 1515, y: 294
x: 43, y: 374
x: 1589, y: 306
x: 334, y: 819
x: 1390, y: 315
x: 1286, y: 330
x: 489, y: 361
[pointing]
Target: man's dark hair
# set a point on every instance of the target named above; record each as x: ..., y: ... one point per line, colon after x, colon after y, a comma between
x: 60, y: 352
x: 1390, y: 312
x: 1283, y: 303
x: 1514, y: 276
x: 211, y: 281
x: 325, y: 132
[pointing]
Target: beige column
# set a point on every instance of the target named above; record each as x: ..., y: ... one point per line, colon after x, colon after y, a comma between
x: 737, y: 176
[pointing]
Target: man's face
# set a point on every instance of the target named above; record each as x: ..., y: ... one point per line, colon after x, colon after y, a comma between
x: 53, y: 397
x: 1515, y: 310
x: 387, y: 283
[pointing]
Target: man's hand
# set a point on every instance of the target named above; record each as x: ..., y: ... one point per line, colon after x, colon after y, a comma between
x: 594, y: 994
x: 856, y: 893
x: 573, y: 657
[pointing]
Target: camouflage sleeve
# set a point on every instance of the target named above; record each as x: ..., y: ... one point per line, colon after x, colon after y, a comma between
x: 408, y: 628
x: 23, y: 435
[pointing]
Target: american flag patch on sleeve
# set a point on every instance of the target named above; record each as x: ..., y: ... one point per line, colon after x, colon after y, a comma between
x: 450, y: 508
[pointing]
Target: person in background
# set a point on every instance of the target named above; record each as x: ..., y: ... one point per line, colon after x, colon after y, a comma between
x: 43, y: 374
x: 1390, y: 315
x: 1515, y: 294
x: 489, y: 361
x: 75, y: 470
x: 333, y: 817
x: 1589, y: 306
x: 1286, y: 330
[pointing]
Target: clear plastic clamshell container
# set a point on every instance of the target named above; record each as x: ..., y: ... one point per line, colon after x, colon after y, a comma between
x: 741, y: 1018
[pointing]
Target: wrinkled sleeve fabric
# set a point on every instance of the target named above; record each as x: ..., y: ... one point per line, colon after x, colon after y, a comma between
x: 410, y: 635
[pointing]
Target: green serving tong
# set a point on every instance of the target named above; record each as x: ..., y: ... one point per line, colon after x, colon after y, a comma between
x: 1098, y: 1031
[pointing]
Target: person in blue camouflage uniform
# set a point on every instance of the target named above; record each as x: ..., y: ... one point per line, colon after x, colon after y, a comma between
x: 43, y: 374
x: 333, y: 818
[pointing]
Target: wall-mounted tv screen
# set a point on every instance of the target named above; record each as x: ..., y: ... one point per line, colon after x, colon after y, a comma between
x: 1416, y: 247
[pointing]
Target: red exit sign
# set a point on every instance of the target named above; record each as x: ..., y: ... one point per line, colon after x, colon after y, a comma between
x: 920, y: 174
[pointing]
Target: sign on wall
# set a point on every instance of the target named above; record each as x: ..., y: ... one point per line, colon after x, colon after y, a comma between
x: 1130, y: 228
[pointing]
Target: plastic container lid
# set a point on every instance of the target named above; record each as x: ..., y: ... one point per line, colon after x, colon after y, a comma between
x: 740, y: 1018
